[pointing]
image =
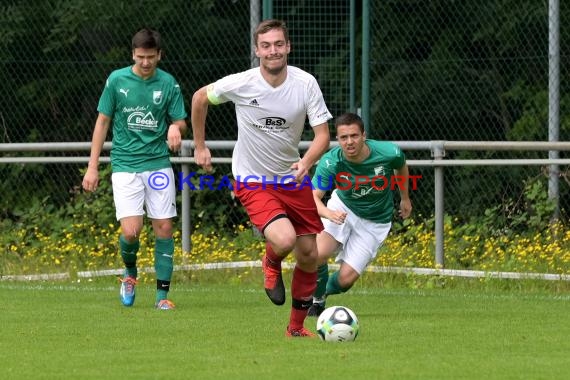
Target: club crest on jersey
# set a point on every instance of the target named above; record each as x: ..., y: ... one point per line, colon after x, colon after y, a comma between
x: 379, y: 170
x: 157, y: 97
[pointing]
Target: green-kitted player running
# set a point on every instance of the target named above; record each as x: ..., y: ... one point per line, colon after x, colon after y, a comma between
x: 358, y: 216
x: 146, y: 108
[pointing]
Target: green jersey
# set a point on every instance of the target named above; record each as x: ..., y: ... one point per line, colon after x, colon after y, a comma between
x: 141, y: 111
x: 366, y: 187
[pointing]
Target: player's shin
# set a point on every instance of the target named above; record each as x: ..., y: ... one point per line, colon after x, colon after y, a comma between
x: 333, y: 286
x: 129, y: 254
x: 322, y: 279
x: 303, y: 286
x: 163, y: 264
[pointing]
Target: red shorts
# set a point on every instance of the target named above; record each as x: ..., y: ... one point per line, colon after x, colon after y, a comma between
x: 267, y: 203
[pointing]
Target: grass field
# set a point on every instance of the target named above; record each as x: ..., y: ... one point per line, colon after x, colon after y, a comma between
x: 223, y: 330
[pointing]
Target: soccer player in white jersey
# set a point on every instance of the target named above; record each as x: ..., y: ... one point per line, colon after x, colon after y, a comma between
x: 272, y: 102
x: 358, y: 216
x: 145, y: 107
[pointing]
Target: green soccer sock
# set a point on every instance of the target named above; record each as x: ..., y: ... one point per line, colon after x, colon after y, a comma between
x: 129, y: 255
x: 163, y: 265
x: 322, y: 279
x: 333, y: 287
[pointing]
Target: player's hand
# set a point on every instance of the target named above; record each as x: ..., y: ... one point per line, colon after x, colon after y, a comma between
x: 174, y: 138
x: 203, y: 158
x: 90, y: 179
x: 336, y: 216
x: 405, y: 208
x: 302, y: 171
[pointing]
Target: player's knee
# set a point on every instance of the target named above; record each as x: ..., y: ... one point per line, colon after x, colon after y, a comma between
x: 131, y: 235
x: 164, y: 233
x: 346, y: 282
x: 163, y: 230
x: 131, y: 228
x: 322, y: 259
x: 307, y: 262
x: 284, y: 243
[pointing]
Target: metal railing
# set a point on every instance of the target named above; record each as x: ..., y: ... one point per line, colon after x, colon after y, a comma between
x: 437, y: 148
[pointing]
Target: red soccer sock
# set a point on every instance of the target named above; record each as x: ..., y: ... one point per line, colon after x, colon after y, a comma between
x: 274, y: 260
x: 303, y: 286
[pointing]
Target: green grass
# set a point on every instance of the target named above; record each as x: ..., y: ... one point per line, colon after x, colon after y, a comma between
x: 225, y: 330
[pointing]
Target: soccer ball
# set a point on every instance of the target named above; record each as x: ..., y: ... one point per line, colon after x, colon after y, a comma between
x: 337, y: 324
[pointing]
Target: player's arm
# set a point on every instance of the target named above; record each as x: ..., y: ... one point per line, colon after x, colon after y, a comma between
x: 176, y: 130
x: 319, y: 145
x: 177, y: 116
x: 403, y: 180
x: 199, y: 111
x: 335, y: 216
x: 91, y: 177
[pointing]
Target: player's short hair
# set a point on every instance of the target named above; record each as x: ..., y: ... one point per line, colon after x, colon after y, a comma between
x: 349, y: 118
x: 267, y: 25
x: 146, y: 38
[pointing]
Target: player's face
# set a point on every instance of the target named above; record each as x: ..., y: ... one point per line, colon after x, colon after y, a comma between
x: 272, y: 51
x: 146, y: 61
x: 351, y: 141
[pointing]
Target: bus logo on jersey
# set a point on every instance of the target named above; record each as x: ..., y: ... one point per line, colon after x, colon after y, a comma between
x: 157, y: 97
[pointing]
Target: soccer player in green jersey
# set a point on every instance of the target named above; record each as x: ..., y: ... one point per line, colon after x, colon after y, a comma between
x: 145, y: 107
x: 358, y: 216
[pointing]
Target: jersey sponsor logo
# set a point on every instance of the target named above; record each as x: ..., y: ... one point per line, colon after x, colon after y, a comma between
x: 157, y: 97
x: 254, y: 103
x: 328, y: 163
x: 124, y: 91
x: 364, y: 191
x: 272, y: 124
x: 138, y: 121
x: 140, y: 109
x: 272, y: 121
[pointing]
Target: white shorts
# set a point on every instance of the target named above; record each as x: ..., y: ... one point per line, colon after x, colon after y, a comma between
x: 156, y: 190
x: 360, y: 238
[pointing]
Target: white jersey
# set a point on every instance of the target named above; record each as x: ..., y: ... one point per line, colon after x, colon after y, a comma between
x: 270, y: 121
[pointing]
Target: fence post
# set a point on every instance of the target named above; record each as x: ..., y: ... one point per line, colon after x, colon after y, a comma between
x: 186, y: 151
x: 438, y: 152
x: 554, y: 101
